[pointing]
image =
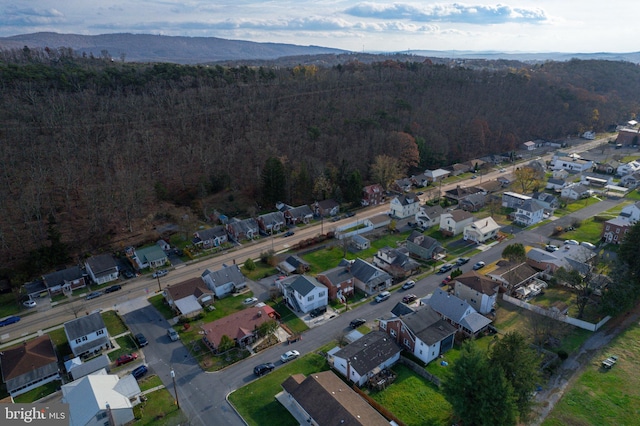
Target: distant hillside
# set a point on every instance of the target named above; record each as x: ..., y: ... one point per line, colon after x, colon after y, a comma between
x: 157, y: 48
x: 528, y: 57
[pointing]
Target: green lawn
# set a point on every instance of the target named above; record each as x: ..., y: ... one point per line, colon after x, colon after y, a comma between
x: 291, y: 320
x: 149, y: 382
x: 262, y: 270
x: 8, y: 305
x: 127, y: 345
x: 59, y: 339
x: 39, y: 392
x: 256, y: 402
x: 159, y: 409
x: 161, y: 306
x: 604, y: 397
x: 114, y: 323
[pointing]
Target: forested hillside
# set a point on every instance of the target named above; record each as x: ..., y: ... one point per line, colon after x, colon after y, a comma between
x: 91, y: 148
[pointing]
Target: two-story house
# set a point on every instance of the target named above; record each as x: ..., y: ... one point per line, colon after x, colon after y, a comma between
x: 424, y: 246
x: 87, y: 334
x: 224, y: 281
x: 614, y: 230
x: 367, y: 277
x: 453, y: 222
x: 513, y: 200
x: 458, y: 313
x: 477, y: 290
x: 304, y: 293
x: 65, y: 280
x: 396, y: 262
x: 101, y: 268
x: 372, y: 195
x: 428, y: 216
x: 481, y: 230
x: 404, y: 206
x: 211, y: 237
x: 271, y: 223
x: 243, y: 229
x: 298, y: 215
x: 326, y: 208
x: 339, y: 282
x: 29, y: 364
x: 529, y: 213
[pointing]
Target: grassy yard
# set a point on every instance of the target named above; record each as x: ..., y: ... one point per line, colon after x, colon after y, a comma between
x: 604, y: 397
x: 127, y: 345
x: 8, y: 305
x: 262, y: 270
x: 291, y: 320
x: 158, y: 302
x: 256, y: 402
x: 39, y: 392
x: 149, y: 382
x: 159, y: 409
x: 114, y: 323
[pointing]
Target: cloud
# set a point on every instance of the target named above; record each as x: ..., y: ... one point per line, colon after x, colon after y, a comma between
x: 15, y: 16
x: 456, y: 12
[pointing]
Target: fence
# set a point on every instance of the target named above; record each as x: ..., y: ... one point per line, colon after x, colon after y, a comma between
x: 416, y: 368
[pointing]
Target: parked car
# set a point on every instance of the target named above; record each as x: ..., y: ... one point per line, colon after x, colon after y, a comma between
x: 409, y: 298
x: 113, y: 288
x: 588, y: 245
x: 288, y: 233
x: 409, y: 284
x: 93, y: 295
x: 128, y: 273
x: 126, y: 358
x: 261, y: 369
x: 29, y: 303
x: 503, y: 170
x: 336, y: 218
x: 9, y: 320
x: 462, y: 261
x: 140, y: 371
x: 318, y: 311
x: 289, y: 355
x: 173, y: 335
x: 160, y: 273
x: 551, y: 248
x: 349, y: 214
x: 572, y: 242
x: 250, y: 301
x: 142, y: 341
x: 445, y: 268
x: 479, y: 265
x: 474, y: 177
x: 357, y: 322
x: 446, y: 280
x: 382, y: 296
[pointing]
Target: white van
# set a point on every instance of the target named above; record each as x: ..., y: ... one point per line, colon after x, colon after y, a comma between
x: 382, y: 296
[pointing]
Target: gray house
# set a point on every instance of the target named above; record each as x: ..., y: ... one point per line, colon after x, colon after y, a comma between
x: 245, y: 229
x: 424, y: 247
x: 212, y: 237
x: 87, y: 335
x: 102, y: 268
x: 368, y: 277
x: 225, y: 280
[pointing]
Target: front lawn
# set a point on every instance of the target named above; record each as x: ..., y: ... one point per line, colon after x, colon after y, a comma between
x: 114, y: 323
x: 159, y: 409
x: 39, y: 392
x: 127, y: 345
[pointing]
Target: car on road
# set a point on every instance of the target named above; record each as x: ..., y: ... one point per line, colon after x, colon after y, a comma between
x: 446, y: 280
x: 479, y: 265
x: 572, y: 242
x: 503, y: 170
x: 551, y: 248
x: 142, y: 341
x: 9, y: 320
x: 126, y: 358
x: 289, y: 355
x: 265, y: 368
x: 445, y: 268
x: 409, y: 298
x: 93, y: 295
x: 357, y: 322
x: 588, y: 245
x: 288, y: 234
x: 337, y: 218
x: 29, y: 303
x: 462, y: 261
x: 409, y: 284
x: 349, y: 214
x: 128, y: 273
x: 160, y: 273
x: 474, y: 177
x: 382, y: 296
x: 318, y: 311
x: 173, y: 335
x: 140, y: 371
x: 113, y: 288
x: 250, y: 301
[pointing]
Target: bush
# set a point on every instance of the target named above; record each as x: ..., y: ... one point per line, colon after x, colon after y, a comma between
x: 563, y: 354
x: 249, y: 265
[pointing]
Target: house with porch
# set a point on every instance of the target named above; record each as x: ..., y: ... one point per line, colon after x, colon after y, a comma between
x: 326, y: 208
x: 529, y: 213
x: 424, y: 247
x: 428, y: 216
x: 569, y: 257
x: 188, y: 298
x: 575, y: 191
x: 304, y: 293
x: 243, y: 229
x: 66, y: 280
x: 87, y: 335
x: 367, y: 277
x: 298, y: 215
x: 453, y: 222
x: 396, y: 262
x: 404, y: 206
x: 477, y: 290
x: 512, y: 275
x: 339, y: 282
x: 101, y: 268
x: 457, y: 312
x: 148, y: 257
x: 481, y: 230
x: 271, y: 223
x: 28, y: 365
x: 225, y: 280
x: 241, y: 327
x: 210, y: 237
x: 372, y: 195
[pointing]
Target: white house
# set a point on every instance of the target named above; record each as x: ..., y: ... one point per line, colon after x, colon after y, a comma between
x: 428, y: 216
x: 95, y: 398
x: 365, y: 357
x: 531, y: 212
x: 404, y: 206
x: 572, y: 164
x: 575, y: 192
x: 529, y: 146
x: 436, y: 175
x: 87, y: 334
x: 224, y: 281
x: 305, y: 294
x: 628, y: 168
x: 631, y: 212
x: 513, y: 200
x: 453, y: 222
x: 477, y: 290
x: 481, y: 230
x: 102, y: 268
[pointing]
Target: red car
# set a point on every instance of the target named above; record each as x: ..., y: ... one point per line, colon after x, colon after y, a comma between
x: 409, y: 298
x: 126, y: 358
x: 446, y: 280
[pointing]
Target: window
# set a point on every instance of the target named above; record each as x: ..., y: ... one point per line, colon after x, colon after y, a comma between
x: 100, y: 332
x: 321, y: 294
x: 607, y: 227
x: 310, y: 298
x: 78, y: 341
x: 383, y: 325
x: 406, y: 342
x: 392, y: 332
x: 617, y: 230
x: 101, y: 415
x: 85, y: 338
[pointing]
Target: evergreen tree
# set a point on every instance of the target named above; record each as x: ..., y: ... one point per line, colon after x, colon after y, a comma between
x: 514, y: 253
x: 273, y: 181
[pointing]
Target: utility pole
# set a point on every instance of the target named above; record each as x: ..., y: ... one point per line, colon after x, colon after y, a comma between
x: 175, y: 389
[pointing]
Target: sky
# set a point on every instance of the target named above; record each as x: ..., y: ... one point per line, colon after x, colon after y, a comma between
x: 373, y: 26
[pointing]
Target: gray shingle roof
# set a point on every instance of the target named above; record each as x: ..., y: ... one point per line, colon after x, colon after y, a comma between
x: 369, y: 351
x: 225, y: 275
x: 427, y: 325
x: 102, y: 264
x: 449, y: 306
x: 60, y: 277
x: 304, y: 285
x: 83, y: 326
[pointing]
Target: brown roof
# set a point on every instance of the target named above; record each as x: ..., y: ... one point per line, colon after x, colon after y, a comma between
x: 27, y: 356
x: 239, y: 324
x: 192, y: 287
x: 460, y: 215
x: 478, y: 282
x: 330, y: 401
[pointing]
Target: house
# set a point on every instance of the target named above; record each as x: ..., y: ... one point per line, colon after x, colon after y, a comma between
x: 404, y: 206
x: 627, y: 137
x: 326, y: 208
x: 77, y: 369
x: 513, y: 200
x: 556, y: 184
x: 572, y: 164
x: 372, y: 195
x: 211, y: 237
x: 101, y: 268
x: 457, y: 312
x: 402, y: 185
x: 560, y: 174
x: 458, y: 193
x: 548, y: 202
x: 87, y: 335
x: 590, y: 135
x: 364, y: 358
x: 339, y: 282
x: 28, y: 365
x: 396, y: 262
x: 270, y: 223
x: 298, y: 215
x: 245, y: 229
x: 148, y: 257
x: 242, y: 326
x: 592, y: 179
x: 359, y: 242
x: 475, y: 165
x: 423, y: 333
x: 631, y: 212
x: 609, y: 167
x: 481, y: 230
x: 575, y: 191
x: 420, y: 180
x: 304, y: 294
x: 428, y: 216
x: 453, y: 222
x: 436, y: 175
x: 65, y: 280
x: 473, y: 202
x: 477, y: 290
x: 188, y: 297
x: 293, y: 264
x: 367, y: 277
x: 529, y: 146
x: 457, y: 169
x: 163, y: 245
x: 614, y: 230
x: 489, y: 187
x: 226, y: 280
x: 324, y: 399
x: 570, y: 258
x: 424, y: 246
x: 380, y: 220
x: 530, y: 213
x: 627, y: 168
x: 512, y: 275
x: 506, y: 180
x: 631, y: 180
x: 99, y: 399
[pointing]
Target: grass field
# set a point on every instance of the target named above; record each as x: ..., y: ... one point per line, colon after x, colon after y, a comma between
x: 605, y: 397
x: 159, y: 409
x: 114, y: 323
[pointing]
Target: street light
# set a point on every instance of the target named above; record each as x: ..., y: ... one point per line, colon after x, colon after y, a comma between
x: 175, y: 389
